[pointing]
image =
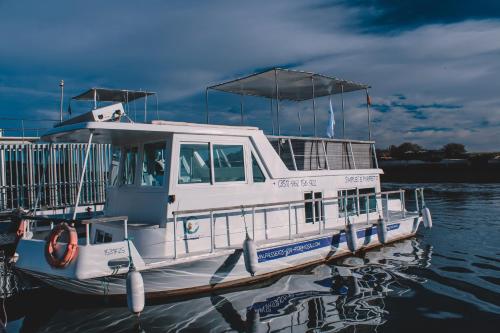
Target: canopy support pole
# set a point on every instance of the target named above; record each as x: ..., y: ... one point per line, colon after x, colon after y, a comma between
x: 343, y: 115
x: 241, y: 108
x: 145, y: 108
x: 277, y: 100
x: 272, y: 115
x: 300, y: 122
x: 314, y: 107
x: 95, y: 99
x: 61, y: 84
x: 80, y: 184
x: 369, y: 118
x: 206, y: 104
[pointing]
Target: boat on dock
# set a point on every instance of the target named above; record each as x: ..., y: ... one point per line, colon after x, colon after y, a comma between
x: 200, y: 207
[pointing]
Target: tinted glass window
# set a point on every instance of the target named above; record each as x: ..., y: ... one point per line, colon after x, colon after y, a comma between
x: 116, y: 154
x: 130, y: 159
x: 347, y: 204
x: 318, y: 211
x: 229, y: 165
x: 153, y: 164
x: 371, y: 202
x: 194, y: 164
x: 258, y: 175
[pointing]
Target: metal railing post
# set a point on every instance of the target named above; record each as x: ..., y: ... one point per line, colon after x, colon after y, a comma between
x: 313, y: 207
x: 125, y: 228
x: 358, y: 208
x: 87, y: 234
x: 367, y: 207
x: 84, y: 168
x: 253, y: 223
x: 323, y: 214
x: 212, y: 238
x: 404, y: 204
x: 175, y: 236
x: 387, y: 206
x: 289, y: 221
x: 345, y: 209
x: 416, y: 200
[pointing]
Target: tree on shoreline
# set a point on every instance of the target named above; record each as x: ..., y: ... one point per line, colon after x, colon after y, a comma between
x: 454, y: 150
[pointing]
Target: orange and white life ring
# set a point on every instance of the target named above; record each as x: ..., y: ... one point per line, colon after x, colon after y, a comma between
x: 71, y: 248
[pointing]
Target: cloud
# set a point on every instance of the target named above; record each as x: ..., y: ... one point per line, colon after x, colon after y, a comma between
x: 437, y: 71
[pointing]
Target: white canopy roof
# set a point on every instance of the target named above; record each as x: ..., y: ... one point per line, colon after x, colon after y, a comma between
x: 112, y: 95
x: 291, y: 85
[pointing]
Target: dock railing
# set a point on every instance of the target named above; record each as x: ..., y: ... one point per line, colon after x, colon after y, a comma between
x: 383, y: 209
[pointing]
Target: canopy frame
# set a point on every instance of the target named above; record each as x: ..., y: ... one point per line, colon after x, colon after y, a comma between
x: 116, y: 95
x: 292, y: 85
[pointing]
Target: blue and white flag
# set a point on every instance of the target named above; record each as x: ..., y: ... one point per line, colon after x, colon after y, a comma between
x: 330, y: 130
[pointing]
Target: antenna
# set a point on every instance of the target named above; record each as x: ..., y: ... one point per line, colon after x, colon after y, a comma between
x: 61, y: 84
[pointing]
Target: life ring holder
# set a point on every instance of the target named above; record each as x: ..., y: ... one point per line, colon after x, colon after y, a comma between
x: 71, y: 248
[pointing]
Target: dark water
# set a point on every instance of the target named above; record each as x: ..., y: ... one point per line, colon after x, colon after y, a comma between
x: 446, y: 279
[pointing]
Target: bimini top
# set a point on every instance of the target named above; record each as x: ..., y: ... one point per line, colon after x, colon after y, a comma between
x: 290, y: 84
x: 112, y: 95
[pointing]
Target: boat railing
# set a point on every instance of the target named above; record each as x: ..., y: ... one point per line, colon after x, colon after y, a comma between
x: 383, y: 209
x: 310, y: 153
x: 46, y: 176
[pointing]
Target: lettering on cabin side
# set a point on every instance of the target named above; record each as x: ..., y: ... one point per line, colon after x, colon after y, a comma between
x: 114, y: 251
x: 360, y: 179
x: 296, y: 183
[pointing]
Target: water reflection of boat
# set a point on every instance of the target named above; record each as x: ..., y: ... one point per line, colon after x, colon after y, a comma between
x: 329, y: 297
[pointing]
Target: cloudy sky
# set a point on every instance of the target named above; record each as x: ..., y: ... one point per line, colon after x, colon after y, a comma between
x: 434, y: 66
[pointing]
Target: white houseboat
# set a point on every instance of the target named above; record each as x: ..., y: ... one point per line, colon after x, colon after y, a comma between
x: 199, y: 207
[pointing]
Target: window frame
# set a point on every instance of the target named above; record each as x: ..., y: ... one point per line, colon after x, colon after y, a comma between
x: 180, y: 139
x: 245, y: 163
x: 166, y: 167
x: 177, y: 162
x: 254, y: 154
x: 318, y: 207
x: 356, y: 202
x: 122, y: 164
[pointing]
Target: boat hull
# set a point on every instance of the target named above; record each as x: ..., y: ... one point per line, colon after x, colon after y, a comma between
x: 226, y: 269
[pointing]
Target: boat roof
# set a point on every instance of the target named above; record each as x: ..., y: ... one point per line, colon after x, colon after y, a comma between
x: 292, y: 85
x: 120, y: 133
x: 112, y: 95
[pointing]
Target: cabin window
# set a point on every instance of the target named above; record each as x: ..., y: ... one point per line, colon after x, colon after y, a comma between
x: 153, y: 164
x: 372, y: 200
x: 116, y: 154
x: 229, y: 165
x: 347, y: 204
x: 130, y: 159
x: 194, y: 163
x: 102, y: 237
x: 316, y: 215
x: 258, y: 175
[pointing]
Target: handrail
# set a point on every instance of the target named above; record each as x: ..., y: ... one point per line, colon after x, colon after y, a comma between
x: 313, y: 138
x: 281, y: 203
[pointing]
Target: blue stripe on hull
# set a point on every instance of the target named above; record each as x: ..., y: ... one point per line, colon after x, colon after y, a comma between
x: 314, y: 244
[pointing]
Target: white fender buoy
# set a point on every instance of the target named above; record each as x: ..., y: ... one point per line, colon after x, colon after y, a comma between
x: 135, y: 291
x: 351, y: 237
x: 250, y: 255
x: 382, y: 230
x: 426, y: 216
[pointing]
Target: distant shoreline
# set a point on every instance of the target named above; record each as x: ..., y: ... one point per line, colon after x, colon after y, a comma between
x: 439, y: 173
